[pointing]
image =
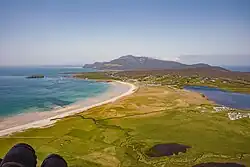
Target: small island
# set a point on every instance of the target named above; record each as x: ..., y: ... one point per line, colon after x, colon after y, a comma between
x: 35, y: 76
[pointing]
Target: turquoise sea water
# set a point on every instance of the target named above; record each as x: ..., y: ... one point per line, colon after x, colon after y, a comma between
x: 225, y: 98
x: 18, y: 94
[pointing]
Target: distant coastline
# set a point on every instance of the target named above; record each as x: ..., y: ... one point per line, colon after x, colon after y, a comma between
x: 238, y: 68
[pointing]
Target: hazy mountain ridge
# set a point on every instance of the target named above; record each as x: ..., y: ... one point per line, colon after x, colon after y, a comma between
x: 130, y: 62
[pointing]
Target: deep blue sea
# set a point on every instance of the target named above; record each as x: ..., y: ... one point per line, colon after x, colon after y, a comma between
x: 225, y: 98
x: 19, y: 94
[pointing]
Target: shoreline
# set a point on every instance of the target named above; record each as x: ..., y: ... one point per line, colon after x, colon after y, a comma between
x: 22, y: 122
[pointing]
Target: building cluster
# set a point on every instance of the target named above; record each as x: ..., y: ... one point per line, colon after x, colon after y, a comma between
x: 232, y: 115
x: 222, y: 108
x: 237, y: 115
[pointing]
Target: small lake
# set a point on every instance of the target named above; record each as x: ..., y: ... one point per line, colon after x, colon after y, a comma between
x: 222, y: 97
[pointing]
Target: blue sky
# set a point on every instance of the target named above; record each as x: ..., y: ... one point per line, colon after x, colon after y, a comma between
x: 83, y: 31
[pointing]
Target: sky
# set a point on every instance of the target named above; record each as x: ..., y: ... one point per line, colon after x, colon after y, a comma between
x: 64, y: 32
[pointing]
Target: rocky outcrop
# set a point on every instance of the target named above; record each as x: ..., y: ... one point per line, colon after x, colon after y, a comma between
x: 35, y: 76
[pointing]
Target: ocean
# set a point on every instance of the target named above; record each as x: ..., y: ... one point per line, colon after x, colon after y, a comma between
x: 238, y: 68
x: 19, y: 94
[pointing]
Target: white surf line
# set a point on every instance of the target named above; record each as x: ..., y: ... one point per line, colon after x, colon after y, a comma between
x: 52, y: 120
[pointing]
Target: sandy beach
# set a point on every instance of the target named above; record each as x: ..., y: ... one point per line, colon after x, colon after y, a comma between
x: 21, y: 122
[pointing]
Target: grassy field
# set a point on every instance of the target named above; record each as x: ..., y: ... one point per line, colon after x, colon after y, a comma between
x: 230, y: 81
x: 119, y: 134
x: 94, y: 75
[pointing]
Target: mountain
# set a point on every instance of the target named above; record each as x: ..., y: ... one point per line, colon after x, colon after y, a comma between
x: 130, y: 62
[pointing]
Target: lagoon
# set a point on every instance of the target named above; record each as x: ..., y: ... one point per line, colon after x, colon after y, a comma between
x: 222, y: 97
